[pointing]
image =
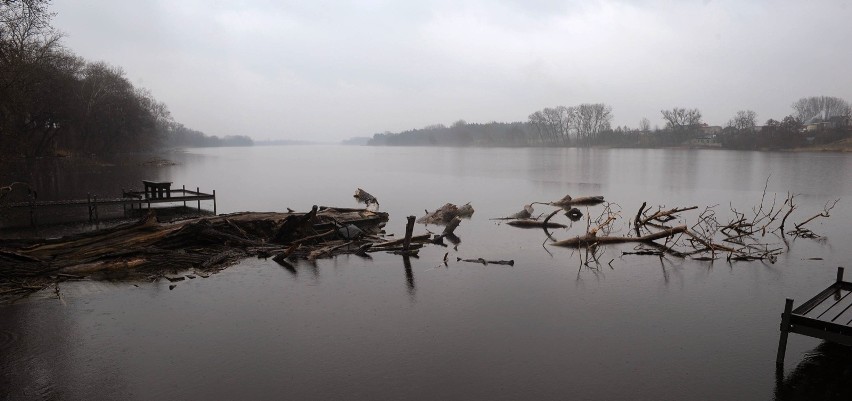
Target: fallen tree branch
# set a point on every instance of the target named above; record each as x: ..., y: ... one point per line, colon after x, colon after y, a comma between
x: 668, y: 213
x: 589, y: 240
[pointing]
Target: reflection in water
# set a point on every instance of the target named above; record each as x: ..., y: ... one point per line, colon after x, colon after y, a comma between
x: 409, y: 275
x: 569, y: 169
x: 454, y: 239
x: 287, y: 266
x: 312, y: 265
x: 824, y: 374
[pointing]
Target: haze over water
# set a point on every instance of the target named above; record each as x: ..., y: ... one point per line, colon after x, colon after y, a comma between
x: 637, y: 327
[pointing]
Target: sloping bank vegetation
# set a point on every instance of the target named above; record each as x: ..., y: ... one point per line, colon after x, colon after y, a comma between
x: 815, y: 120
x: 55, y: 102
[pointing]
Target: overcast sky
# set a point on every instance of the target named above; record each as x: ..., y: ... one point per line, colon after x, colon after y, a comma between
x: 330, y: 70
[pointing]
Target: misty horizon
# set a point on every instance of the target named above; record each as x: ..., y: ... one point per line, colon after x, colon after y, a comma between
x: 326, y: 73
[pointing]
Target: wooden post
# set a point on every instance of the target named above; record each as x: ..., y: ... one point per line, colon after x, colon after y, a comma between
x: 214, y: 202
x: 184, y: 195
x: 198, y: 191
x: 785, y: 329
x: 95, y: 201
x: 409, y: 229
x: 89, y: 205
x: 839, y: 275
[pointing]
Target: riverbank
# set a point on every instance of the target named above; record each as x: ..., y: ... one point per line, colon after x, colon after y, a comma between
x: 843, y: 145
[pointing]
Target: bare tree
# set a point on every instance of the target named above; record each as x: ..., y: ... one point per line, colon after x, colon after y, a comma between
x: 32, y: 65
x: 644, y: 124
x: 559, y: 125
x: 540, y: 122
x: 823, y: 107
x: 681, y: 119
x: 556, y: 125
x: 593, y: 118
x: 25, y: 30
x: 744, y: 120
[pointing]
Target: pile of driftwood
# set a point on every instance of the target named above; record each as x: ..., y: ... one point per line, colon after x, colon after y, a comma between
x: 758, y: 234
x: 148, y: 249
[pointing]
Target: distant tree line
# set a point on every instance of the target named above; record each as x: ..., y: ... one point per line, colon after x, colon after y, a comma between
x: 53, y: 101
x: 176, y: 136
x: 815, y: 120
x: 459, y: 133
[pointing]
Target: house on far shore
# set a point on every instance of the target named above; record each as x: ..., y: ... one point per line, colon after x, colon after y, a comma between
x: 709, y: 130
x: 833, y: 122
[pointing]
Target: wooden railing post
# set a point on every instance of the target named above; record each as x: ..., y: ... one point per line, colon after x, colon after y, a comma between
x: 409, y: 228
x: 785, y: 329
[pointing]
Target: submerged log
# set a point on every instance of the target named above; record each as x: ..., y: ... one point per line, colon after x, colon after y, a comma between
x: 591, y: 239
x: 445, y: 214
x: 535, y: 224
x: 567, y: 201
x: 546, y: 223
x: 485, y: 262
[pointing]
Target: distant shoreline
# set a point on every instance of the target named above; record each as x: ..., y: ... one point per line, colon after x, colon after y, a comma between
x: 843, y: 146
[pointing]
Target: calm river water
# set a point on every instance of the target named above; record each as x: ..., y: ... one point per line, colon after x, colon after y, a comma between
x: 638, y: 328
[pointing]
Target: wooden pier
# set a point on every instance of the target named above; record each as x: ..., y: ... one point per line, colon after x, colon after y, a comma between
x: 827, y: 316
x: 153, y: 193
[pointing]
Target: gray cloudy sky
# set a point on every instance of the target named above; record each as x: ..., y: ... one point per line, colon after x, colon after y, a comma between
x: 330, y: 70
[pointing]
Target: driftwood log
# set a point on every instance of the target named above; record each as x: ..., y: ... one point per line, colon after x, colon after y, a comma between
x: 568, y: 202
x: 445, y: 214
x: 592, y: 239
x: 546, y: 223
x: 365, y: 197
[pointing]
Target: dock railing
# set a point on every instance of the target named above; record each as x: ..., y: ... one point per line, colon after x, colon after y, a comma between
x: 826, y: 316
x: 129, y: 198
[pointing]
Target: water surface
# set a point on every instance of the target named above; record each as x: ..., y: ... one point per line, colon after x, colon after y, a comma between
x: 637, y: 327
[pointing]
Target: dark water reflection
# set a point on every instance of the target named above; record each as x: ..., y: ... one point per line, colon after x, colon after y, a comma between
x: 825, y: 373
x: 385, y: 328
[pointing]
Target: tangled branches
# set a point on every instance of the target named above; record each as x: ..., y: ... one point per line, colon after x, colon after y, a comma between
x: 746, y: 236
